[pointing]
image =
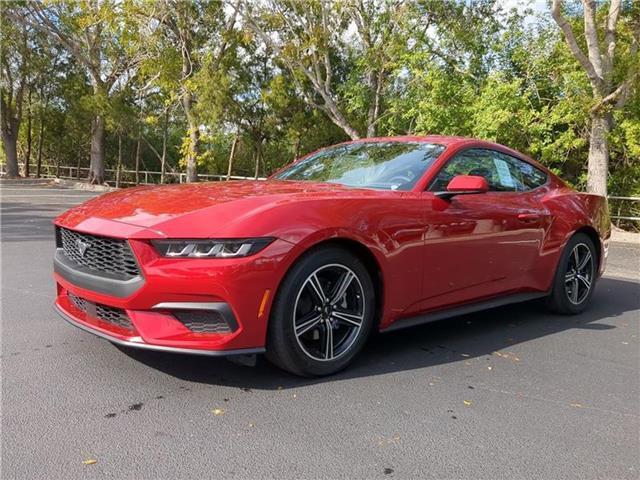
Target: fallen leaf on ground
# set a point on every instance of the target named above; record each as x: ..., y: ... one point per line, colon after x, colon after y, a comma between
x: 89, y: 461
x: 507, y: 356
x: 388, y: 441
x: 467, y: 402
x: 577, y: 405
x: 218, y: 411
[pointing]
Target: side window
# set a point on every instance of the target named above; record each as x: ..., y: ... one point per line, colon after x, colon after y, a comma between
x: 479, y: 162
x: 525, y: 175
x: 503, y: 173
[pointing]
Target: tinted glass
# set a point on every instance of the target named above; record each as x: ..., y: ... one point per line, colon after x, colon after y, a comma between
x: 525, y: 175
x: 503, y: 173
x: 381, y: 165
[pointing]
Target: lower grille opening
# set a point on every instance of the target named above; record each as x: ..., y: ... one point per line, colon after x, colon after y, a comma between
x: 112, y: 315
x: 202, y: 321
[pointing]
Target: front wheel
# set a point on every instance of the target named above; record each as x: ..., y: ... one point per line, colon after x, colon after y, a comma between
x: 322, y: 314
x: 575, y: 277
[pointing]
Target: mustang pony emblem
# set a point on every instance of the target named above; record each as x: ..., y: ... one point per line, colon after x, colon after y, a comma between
x: 82, y: 247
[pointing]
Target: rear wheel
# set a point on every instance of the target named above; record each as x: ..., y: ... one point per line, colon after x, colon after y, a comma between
x: 323, y: 313
x: 575, y: 277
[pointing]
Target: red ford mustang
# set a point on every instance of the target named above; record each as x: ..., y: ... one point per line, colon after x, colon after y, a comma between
x: 376, y: 234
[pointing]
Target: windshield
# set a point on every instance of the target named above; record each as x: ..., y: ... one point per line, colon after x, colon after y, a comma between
x: 382, y: 165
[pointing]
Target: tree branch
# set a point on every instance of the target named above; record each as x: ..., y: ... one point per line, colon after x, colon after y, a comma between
x: 313, y: 73
x: 610, y: 33
x: 596, y: 81
x: 591, y: 36
x: 44, y: 24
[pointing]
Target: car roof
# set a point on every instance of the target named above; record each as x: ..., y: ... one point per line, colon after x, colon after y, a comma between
x: 446, y: 140
x: 440, y: 139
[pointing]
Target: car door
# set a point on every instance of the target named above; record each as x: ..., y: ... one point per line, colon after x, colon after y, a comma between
x: 481, y: 245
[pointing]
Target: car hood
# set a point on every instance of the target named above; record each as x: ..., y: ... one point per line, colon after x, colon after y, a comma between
x: 156, y: 208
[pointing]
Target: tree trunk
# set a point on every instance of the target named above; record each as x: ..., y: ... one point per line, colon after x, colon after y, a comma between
x: 96, y: 168
x: 11, y: 153
x: 232, y: 155
x: 163, y: 160
x: 375, y: 85
x: 40, y: 134
x: 9, y: 128
x: 336, y: 116
x: 296, y: 149
x: 598, y: 166
x: 119, y: 166
x: 194, y: 138
x: 40, y: 138
x: 138, y: 159
x: 262, y: 162
x: 257, y: 154
x: 27, y: 155
x: 58, y: 161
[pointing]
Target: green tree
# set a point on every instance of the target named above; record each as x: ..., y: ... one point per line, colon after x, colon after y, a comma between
x: 99, y: 34
x: 14, y: 61
x: 340, y: 72
x: 198, y: 31
x: 605, y: 38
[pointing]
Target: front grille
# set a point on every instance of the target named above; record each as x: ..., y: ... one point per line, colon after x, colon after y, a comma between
x: 202, y: 321
x: 112, y: 315
x: 99, y: 254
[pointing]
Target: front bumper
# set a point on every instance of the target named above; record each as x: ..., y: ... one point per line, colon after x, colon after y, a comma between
x: 239, y: 289
x: 138, y: 342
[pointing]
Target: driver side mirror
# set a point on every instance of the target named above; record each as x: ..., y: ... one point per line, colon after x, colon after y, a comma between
x: 464, y: 185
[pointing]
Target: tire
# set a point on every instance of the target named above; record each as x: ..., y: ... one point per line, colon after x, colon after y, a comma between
x: 573, y: 287
x: 310, y: 337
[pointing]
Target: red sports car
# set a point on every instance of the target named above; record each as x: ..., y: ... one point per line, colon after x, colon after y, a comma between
x: 375, y: 234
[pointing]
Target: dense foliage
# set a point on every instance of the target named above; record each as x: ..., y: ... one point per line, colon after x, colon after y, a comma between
x: 179, y: 86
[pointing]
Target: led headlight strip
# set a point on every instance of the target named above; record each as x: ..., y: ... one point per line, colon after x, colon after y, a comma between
x: 218, y: 248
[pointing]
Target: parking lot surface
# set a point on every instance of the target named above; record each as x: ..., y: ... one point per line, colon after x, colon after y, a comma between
x: 508, y: 393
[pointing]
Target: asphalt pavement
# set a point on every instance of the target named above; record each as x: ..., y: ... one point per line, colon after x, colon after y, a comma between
x: 509, y: 393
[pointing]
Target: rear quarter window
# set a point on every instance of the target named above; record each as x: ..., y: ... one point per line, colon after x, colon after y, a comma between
x: 525, y: 176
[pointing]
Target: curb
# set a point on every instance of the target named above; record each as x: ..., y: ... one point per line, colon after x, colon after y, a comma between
x: 83, y: 185
x: 622, y: 236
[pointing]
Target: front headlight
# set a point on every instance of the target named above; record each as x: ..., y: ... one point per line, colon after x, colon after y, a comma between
x: 226, y: 248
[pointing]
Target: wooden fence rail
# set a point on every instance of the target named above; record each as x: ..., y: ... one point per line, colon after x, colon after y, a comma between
x: 116, y: 178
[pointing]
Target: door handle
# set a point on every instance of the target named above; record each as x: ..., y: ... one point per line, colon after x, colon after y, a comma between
x: 528, y: 217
